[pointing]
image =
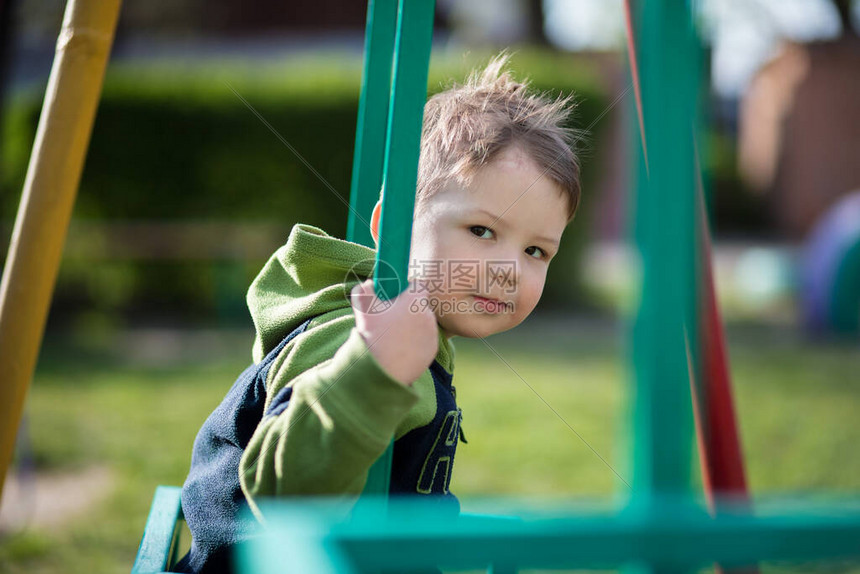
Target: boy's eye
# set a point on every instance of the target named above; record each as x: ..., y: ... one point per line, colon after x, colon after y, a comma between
x: 541, y: 253
x: 480, y: 230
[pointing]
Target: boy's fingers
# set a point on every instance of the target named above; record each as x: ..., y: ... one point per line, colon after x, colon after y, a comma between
x: 355, y: 293
x: 361, y: 294
x: 420, y: 287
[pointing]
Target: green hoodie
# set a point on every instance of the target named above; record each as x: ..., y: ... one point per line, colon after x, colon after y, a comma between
x: 344, y: 408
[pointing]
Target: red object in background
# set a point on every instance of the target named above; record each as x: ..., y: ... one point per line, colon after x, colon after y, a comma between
x: 722, y: 463
x: 713, y: 406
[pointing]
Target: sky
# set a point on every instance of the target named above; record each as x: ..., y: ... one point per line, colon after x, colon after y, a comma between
x: 745, y: 33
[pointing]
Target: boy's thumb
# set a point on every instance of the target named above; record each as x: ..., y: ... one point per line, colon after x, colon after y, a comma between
x: 360, y: 295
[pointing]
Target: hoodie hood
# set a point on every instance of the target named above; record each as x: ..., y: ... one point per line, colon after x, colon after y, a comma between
x: 313, y: 273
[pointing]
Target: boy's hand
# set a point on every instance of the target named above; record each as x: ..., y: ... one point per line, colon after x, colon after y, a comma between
x: 401, y: 333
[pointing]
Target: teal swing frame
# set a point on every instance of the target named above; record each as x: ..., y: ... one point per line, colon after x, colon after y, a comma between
x: 658, y: 526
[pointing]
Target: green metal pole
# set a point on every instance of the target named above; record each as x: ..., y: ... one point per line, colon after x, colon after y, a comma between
x: 400, y: 171
x: 368, y: 161
x: 417, y: 536
x: 372, y: 118
x: 665, y: 217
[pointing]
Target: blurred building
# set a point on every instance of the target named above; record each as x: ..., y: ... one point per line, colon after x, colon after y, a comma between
x: 800, y: 130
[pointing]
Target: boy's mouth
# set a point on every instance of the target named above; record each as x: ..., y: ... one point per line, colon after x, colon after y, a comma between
x: 485, y: 298
x: 492, y: 306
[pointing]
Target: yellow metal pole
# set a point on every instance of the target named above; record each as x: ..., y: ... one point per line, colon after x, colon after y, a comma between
x: 57, y: 160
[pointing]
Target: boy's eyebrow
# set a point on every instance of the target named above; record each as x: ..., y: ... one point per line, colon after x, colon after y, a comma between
x: 495, y: 217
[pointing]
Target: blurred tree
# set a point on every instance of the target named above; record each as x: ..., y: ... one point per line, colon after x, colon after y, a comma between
x: 173, y: 17
x: 226, y: 17
x: 7, y: 29
x: 843, y: 8
x: 536, y: 34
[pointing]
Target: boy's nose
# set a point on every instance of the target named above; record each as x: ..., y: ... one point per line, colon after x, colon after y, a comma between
x: 504, y: 277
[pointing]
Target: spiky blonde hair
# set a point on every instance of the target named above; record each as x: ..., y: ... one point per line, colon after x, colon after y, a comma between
x: 467, y: 126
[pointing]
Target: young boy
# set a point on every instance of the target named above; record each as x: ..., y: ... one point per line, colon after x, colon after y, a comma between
x: 338, y: 373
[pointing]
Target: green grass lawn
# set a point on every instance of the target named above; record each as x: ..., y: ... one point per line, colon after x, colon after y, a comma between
x: 536, y: 422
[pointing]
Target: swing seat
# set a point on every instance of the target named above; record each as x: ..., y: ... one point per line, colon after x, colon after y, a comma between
x: 159, y: 547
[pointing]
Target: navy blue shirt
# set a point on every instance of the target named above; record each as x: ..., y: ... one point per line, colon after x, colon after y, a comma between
x: 212, y: 498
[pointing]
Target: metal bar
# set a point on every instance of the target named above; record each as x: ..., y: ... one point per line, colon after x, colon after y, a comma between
x: 60, y: 147
x: 159, y: 543
x: 372, y: 118
x: 406, y: 114
x: 664, y: 232
x: 666, y: 545
x: 305, y: 549
x: 403, y: 140
x: 671, y: 537
x: 367, y: 168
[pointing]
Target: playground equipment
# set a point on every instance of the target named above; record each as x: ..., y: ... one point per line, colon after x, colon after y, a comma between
x: 46, y: 203
x: 831, y: 270
x: 678, y: 360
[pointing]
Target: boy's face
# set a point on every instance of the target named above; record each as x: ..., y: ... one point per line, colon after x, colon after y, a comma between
x: 491, y: 239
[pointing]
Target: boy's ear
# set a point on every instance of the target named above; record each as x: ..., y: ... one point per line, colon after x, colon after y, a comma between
x: 374, y: 221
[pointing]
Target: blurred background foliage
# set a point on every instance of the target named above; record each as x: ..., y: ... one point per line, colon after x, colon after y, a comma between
x: 185, y: 192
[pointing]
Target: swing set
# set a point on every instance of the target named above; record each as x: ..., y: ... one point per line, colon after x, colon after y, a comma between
x: 678, y: 348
